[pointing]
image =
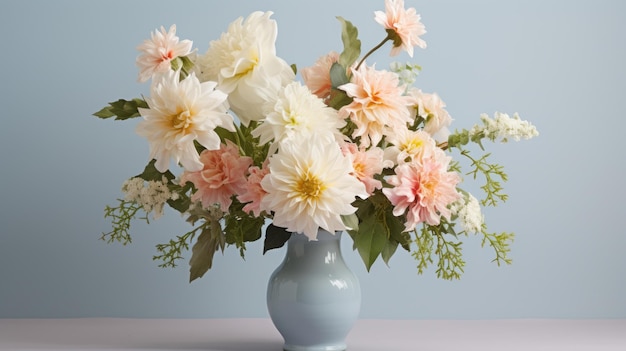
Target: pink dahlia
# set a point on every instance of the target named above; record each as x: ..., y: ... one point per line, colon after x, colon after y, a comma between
x: 423, y: 190
x: 367, y: 164
x: 253, y: 192
x: 158, y: 52
x: 378, y: 103
x: 317, y: 77
x: 404, y: 23
x: 223, y: 175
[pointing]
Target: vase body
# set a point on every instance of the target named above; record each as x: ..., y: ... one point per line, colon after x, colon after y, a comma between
x: 313, y: 298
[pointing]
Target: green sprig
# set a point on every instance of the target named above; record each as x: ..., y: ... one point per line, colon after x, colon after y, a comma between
x: 492, y: 172
x: 121, y: 217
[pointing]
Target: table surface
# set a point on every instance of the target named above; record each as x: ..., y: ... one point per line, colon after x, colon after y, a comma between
x: 260, y: 335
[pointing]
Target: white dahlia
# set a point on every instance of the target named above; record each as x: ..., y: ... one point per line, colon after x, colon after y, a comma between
x: 179, y: 113
x: 298, y: 113
x: 309, y: 186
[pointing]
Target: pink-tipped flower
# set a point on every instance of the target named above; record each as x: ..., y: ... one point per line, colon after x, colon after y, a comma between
x: 378, y: 104
x: 423, y: 190
x: 254, y: 193
x: 317, y: 77
x: 403, y: 24
x: 158, y: 52
x: 223, y: 175
x: 367, y: 164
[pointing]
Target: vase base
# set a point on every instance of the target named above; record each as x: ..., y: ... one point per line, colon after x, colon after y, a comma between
x: 337, y: 347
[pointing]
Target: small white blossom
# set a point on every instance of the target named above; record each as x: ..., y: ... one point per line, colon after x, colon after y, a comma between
x: 468, y: 210
x: 503, y: 127
x: 151, y: 195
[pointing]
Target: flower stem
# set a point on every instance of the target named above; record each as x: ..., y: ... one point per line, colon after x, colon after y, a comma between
x: 374, y: 49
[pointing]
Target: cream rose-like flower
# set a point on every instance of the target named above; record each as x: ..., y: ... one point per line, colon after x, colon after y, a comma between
x: 378, y: 103
x: 317, y: 77
x: 179, y: 113
x: 310, y: 186
x: 244, y: 63
x: 158, y: 52
x: 404, y: 23
x: 423, y: 190
x: 432, y: 109
x: 222, y: 176
x: 297, y: 113
x: 407, y: 145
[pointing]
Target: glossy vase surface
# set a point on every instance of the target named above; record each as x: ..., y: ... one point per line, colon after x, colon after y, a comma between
x: 313, y: 298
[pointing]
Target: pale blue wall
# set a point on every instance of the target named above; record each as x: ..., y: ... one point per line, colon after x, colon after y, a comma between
x: 558, y: 63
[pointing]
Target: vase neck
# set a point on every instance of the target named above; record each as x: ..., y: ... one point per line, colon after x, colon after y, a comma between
x: 326, y: 247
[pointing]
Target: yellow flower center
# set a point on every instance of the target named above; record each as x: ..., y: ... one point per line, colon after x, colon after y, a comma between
x: 309, y: 187
x: 182, y: 121
x: 412, y: 146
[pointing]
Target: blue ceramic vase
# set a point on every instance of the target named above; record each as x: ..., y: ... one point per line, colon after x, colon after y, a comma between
x: 313, y: 298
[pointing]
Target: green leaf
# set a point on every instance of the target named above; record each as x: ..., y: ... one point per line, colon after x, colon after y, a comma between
x: 351, y: 43
x: 210, y: 240
x: 275, y: 237
x: 338, y: 99
x: 151, y: 173
x: 241, y: 227
x: 351, y: 221
x: 122, y: 109
x: 370, y: 241
x: 338, y: 76
x: 389, y: 250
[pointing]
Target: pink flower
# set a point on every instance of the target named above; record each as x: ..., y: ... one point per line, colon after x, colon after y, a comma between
x: 432, y: 109
x: 317, y: 77
x: 254, y: 193
x: 366, y: 164
x: 158, y: 52
x: 223, y: 175
x: 405, y: 24
x: 378, y: 103
x: 423, y: 190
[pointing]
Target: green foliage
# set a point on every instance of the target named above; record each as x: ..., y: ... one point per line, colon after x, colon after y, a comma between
x: 447, y: 248
x: 380, y: 232
x: 241, y: 227
x: 210, y: 240
x: 121, y: 217
x: 122, y: 109
x: 501, y: 244
x: 182, y: 63
x: 493, y: 174
x: 172, y: 251
x: 275, y: 237
x: 351, y: 43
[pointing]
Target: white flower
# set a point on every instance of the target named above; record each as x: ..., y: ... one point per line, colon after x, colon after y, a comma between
x: 244, y: 63
x: 310, y: 186
x: 432, y: 109
x: 503, y: 127
x: 468, y: 210
x: 407, y: 145
x: 180, y: 113
x: 158, y: 52
x: 296, y: 114
x: 151, y: 195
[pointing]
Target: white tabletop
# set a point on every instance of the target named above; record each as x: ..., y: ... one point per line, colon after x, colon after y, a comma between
x: 260, y: 335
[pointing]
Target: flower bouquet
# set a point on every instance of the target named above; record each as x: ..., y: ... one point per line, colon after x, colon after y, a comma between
x: 244, y: 150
